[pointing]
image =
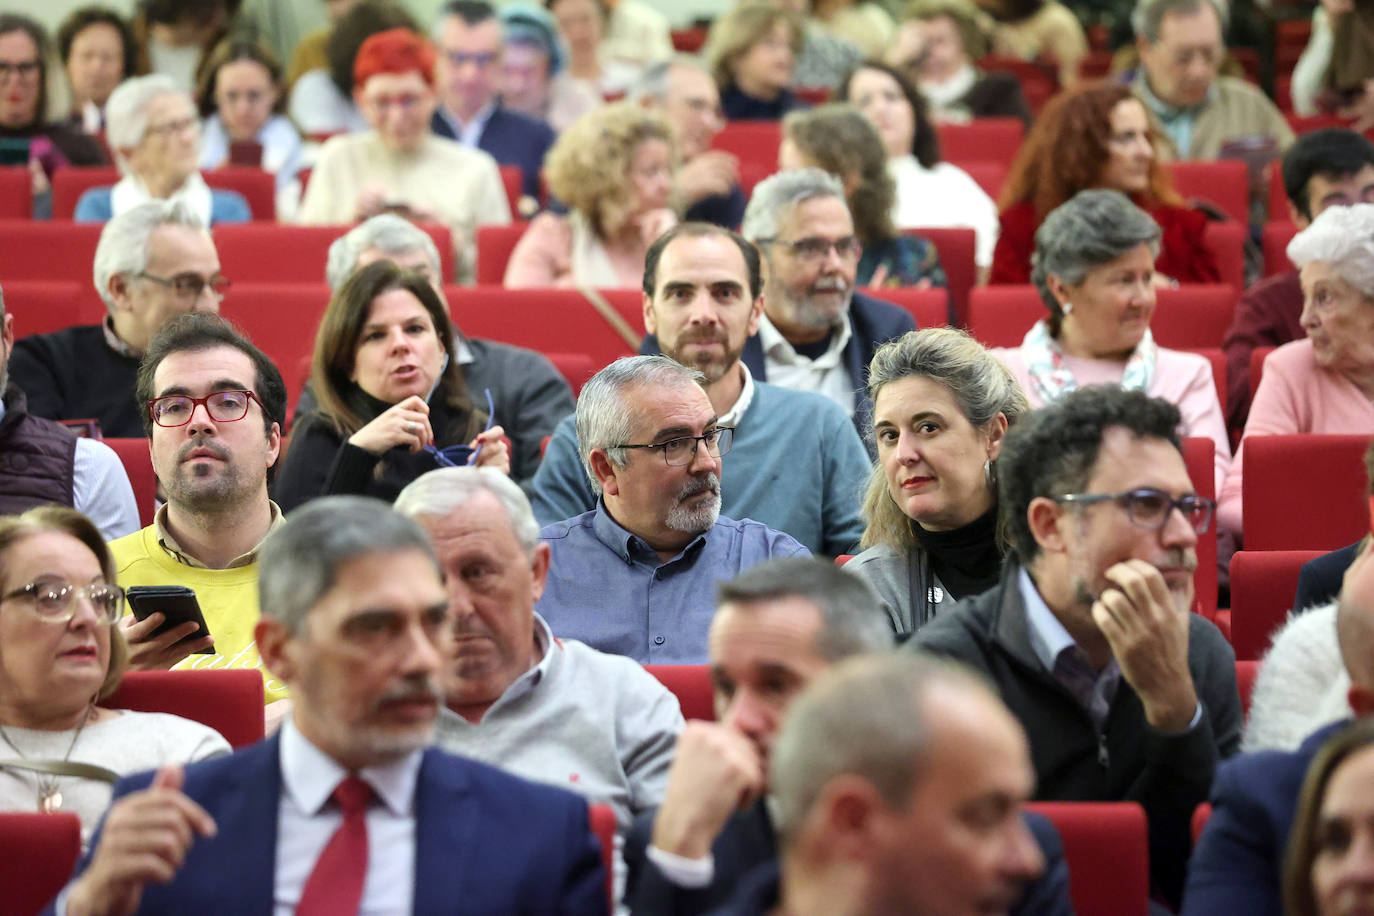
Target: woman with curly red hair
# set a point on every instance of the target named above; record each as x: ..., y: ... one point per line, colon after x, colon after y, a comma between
x: 1096, y: 136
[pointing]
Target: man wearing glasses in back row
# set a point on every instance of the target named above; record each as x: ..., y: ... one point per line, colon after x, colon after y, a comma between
x: 1124, y: 693
x: 153, y: 261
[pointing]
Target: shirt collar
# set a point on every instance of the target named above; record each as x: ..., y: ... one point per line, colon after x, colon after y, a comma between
x: 473, y: 126
x: 1048, y: 637
x: 169, y: 544
x: 309, y: 775
x: 546, y: 646
x: 465, y: 355
x: 738, y: 409
x: 1162, y: 109
x: 630, y: 546
x: 113, y: 341
x: 778, y: 348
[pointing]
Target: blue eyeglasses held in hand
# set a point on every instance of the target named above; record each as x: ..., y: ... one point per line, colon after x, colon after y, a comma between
x: 457, y: 456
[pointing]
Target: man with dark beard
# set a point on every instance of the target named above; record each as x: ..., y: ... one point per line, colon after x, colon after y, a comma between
x: 703, y: 298
x: 213, y: 408
x: 636, y: 575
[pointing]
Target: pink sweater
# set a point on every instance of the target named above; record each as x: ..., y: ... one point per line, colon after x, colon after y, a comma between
x: 1182, y: 379
x: 1295, y: 396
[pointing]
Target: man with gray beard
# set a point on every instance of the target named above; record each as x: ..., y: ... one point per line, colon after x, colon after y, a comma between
x: 636, y: 575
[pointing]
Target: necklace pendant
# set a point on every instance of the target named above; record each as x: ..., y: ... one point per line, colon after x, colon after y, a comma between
x: 50, y: 802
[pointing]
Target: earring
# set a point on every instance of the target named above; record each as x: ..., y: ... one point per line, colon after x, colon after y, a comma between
x: 988, y: 474
x: 1067, y: 307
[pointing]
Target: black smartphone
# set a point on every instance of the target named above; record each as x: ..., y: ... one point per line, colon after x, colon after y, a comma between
x: 176, y: 602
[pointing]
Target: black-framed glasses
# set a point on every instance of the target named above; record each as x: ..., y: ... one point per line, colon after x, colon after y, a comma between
x: 225, y: 406
x: 1150, y: 508
x: 53, y: 599
x: 815, y: 248
x: 457, y: 456
x: 24, y: 69
x: 683, y: 450
x: 190, y: 286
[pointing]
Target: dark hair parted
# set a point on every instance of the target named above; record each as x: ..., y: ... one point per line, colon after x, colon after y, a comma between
x: 925, y: 142
x: 472, y: 12
x: 1052, y: 450
x: 233, y: 50
x: 1333, y: 152
x: 698, y: 230
x: 85, y: 17
x: 355, y: 27
x: 840, y: 140
x: 13, y: 22
x: 341, y: 329
x: 195, y: 332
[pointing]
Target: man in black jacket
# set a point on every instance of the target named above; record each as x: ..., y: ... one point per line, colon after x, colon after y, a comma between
x: 1125, y: 694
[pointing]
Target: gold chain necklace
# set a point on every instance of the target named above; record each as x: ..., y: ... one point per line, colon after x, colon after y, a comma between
x: 49, y: 797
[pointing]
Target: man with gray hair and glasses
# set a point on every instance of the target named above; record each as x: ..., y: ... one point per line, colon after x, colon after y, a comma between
x: 816, y: 333
x: 635, y: 575
x: 153, y: 262
x: 528, y: 395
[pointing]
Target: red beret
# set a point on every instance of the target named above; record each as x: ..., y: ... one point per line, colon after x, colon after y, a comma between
x: 393, y: 51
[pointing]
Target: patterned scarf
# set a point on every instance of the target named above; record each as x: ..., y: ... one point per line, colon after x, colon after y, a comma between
x: 1051, y: 379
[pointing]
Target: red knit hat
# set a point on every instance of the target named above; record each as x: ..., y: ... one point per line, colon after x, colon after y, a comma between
x: 393, y: 51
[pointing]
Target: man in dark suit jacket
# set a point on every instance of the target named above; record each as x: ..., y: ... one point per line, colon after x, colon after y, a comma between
x: 357, y: 624
x: 468, y: 36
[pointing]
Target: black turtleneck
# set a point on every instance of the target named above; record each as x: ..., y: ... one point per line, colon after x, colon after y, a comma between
x: 965, y: 560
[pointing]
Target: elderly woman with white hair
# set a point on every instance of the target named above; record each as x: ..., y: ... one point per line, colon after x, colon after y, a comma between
x: 1094, y: 266
x: 1325, y: 383
x: 152, y: 127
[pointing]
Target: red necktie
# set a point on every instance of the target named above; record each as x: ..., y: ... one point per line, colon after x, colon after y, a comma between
x: 335, y: 887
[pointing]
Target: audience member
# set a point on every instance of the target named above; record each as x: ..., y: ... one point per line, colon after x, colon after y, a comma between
x: 358, y: 625
x: 816, y: 333
x: 1323, y: 383
x: 175, y: 37
x: 152, y: 127
x: 392, y: 401
x: 613, y: 170
x: 1089, y: 638
x: 467, y: 35
x: 824, y: 57
x: 702, y: 301
x: 323, y: 100
x: 98, y: 52
x: 213, y: 410
x: 940, y: 403
x: 1238, y: 860
x: 582, y: 25
x: 44, y: 462
x: 636, y: 32
x: 1181, y: 50
x: 838, y: 139
x: 550, y: 710
x: 1094, y: 269
x: 877, y: 770
x: 1326, y: 168
x: 1329, y: 867
x: 152, y: 262
x: 752, y: 53
x: 863, y: 23
x: 60, y: 654
x: 778, y: 626
x: 241, y: 101
x: 1329, y: 76
x: 399, y: 166
x: 1038, y: 30
x: 652, y: 447
x: 528, y: 394
x: 300, y: 31
x: 707, y: 180
x: 929, y: 192
x: 1098, y: 136
x: 534, y: 79
x: 935, y: 48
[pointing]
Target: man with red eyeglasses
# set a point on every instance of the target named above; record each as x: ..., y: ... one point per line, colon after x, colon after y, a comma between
x: 213, y: 410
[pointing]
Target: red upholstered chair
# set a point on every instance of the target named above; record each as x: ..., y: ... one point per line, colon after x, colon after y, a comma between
x: 1304, y: 492
x: 547, y: 320
x: 576, y: 369
x: 1199, y: 454
x: 956, y: 248
x: 258, y: 187
x: 513, y: 180
x: 928, y: 307
x: 16, y: 192
x: 1257, y: 358
x: 1223, y: 183
x: 1278, y: 197
x: 37, y: 855
x: 229, y: 700
x: 691, y: 684
x: 68, y: 184
x: 1246, y: 671
x: 494, y: 247
x: 602, y: 817
x: 41, y: 307
x: 1000, y: 316
x: 1263, y: 583
x: 281, y: 318
x: 1274, y: 243
x: 1227, y: 241
x: 752, y: 171
x: 689, y: 41
x: 1107, y: 850
x: 981, y: 140
x: 282, y: 253
x: 138, y: 464
x: 989, y: 175
x: 37, y: 250
x: 751, y: 141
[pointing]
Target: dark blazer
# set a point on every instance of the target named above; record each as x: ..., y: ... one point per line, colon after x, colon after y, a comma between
x: 511, y: 138
x: 485, y: 842
x: 746, y: 852
x: 1237, y: 863
x: 1319, y: 580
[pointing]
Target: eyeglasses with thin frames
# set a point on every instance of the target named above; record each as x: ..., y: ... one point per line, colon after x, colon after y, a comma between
x: 457, y: 456
x: 54, y: 600
x: 23, y: 69
x: 682, y: 450
x: 815, y: 248
x: 190, y: 286
x: 226, y: 406
x: 1150, y: 508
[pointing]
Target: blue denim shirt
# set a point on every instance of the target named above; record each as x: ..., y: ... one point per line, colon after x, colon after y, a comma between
x: 609, y: 589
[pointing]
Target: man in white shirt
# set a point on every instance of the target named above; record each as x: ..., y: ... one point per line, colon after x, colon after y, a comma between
x: 358, y: 627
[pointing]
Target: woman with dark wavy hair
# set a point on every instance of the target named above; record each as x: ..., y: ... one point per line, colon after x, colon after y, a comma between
x: 1097, y: 137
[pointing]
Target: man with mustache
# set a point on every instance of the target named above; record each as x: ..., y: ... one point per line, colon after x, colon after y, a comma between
x: 1124, y: 693
x: 345, y: 810
x: 213, y: 406
x: 703, y: 297
x: 636, y: 575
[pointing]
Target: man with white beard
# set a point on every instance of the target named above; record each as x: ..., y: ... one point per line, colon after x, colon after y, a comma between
x: 636, y: 575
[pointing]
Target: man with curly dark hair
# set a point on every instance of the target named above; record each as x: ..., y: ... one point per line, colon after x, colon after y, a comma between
x: 1126, y: 696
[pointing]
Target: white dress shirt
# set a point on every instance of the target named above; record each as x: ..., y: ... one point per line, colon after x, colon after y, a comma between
x: 826, y: 374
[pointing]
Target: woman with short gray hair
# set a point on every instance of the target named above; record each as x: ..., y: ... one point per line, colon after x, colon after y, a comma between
x: 941, y: 408
x: 1094, y: 266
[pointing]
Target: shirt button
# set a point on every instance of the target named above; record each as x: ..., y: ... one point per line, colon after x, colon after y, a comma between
x: 658, y: 640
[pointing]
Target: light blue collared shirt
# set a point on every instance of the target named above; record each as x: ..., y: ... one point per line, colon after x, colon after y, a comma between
x: 1178, y: 123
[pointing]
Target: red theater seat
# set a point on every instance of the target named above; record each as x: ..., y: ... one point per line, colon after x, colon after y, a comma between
x: 16, y: 192
x: 1199, y: 455
x: 1107, y: 849
x: 956, y: 248
x: 138, y: 464
x: 37, y: 250
x: 37, y: 854
x: 981, y: 140
x: 989, y: 175
x: 257, y: 187
x: 1274, y: 241
x: 691, y: 684
x: 41, y: 307
x: 1304, y: 492
x: 576, y: 369
x: 750, y: 141
x: 229, y: 700
x: 513, y: 180
x: 494, y: 247
x: 547, y: 320
x: 281, y: 319
x: 1246, y: 672
x: 1227, y: 242
x: 928, y: 307
x: 281, y: 253
x: 1263, y: 584
x: 1224, y: 183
